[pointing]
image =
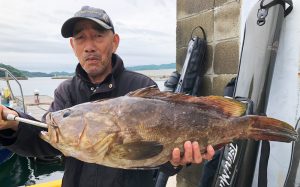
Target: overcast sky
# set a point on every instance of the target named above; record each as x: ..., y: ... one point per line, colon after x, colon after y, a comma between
x: 30, y: 36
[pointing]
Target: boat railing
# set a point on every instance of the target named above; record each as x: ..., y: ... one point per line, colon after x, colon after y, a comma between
x: 8, y: 77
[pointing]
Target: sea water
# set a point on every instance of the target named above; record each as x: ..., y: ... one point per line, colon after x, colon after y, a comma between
x: 46, y: 85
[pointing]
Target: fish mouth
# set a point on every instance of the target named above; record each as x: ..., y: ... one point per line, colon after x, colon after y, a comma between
x: 53, y: 130
x: 271, y: 129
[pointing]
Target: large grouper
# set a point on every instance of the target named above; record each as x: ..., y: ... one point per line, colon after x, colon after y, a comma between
x: 141, y: 129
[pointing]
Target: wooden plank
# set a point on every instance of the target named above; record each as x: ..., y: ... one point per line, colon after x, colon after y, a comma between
x: 37, y: 100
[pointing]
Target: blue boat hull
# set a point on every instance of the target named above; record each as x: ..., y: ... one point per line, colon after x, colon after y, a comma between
x: 5, y: 155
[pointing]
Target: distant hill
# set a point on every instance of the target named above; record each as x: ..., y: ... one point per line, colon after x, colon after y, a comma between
x: 25, y: 74
x: 36, y: 74
x: 52, y: 74
x: 14, y: 71
x: 152, y: 67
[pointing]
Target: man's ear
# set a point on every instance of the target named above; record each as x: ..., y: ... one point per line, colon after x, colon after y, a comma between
x: 116, y: 41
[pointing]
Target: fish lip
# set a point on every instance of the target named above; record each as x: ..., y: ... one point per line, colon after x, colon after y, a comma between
x: 53, y: 123
x: 53, y: 128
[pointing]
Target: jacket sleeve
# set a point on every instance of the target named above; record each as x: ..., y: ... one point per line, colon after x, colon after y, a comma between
x: 169, y: 169
x: 26, y: 140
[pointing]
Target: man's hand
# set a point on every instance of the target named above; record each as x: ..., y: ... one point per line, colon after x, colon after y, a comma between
x: 191, y: 154
x: 4, y: 124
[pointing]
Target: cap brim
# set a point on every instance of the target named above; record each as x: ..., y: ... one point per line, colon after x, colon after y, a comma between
x: 68, y: 26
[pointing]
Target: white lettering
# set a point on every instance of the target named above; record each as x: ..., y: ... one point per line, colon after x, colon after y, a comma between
x: 224, y: 178
x: 228, y: 164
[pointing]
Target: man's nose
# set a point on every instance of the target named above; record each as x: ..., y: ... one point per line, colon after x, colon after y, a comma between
x: 90, y: 46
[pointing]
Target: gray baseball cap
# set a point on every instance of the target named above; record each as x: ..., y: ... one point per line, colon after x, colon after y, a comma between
x: 95, y: 14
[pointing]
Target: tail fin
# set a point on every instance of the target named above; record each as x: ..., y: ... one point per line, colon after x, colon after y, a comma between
x: 265, y: 128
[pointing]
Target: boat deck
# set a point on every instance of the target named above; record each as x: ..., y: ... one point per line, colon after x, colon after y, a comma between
x: 37, y: 107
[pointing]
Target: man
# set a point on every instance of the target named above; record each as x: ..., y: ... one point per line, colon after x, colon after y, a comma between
x: 100, y: 74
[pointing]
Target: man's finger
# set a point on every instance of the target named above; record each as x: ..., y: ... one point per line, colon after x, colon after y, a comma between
x: 188, y: 152
x: 209, y: 154
x: 196, y: 153
x: 1, y: 111
x: 175, y: 157
x: 4, y: 123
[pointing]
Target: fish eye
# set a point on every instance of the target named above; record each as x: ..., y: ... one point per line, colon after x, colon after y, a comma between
x: 66, y: 114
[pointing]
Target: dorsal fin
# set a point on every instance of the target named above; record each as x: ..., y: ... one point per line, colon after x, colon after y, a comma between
x: 227, y: 106
x: 146, y: 92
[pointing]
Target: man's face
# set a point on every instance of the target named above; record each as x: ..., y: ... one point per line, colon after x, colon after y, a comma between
x: 93, y: 46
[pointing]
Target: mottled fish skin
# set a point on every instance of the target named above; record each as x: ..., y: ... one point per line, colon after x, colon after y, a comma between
x: 140, y: 130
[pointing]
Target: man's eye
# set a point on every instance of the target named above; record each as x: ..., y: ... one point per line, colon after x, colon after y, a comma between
x: 99, y: 35
x: 78, y: 37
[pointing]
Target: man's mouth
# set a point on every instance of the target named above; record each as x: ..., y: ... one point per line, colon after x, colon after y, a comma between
x: 89, y: 59
x: 92, y: 58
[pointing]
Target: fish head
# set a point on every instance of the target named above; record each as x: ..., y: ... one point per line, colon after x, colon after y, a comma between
x: 86, y: 130
x: 61, y: 126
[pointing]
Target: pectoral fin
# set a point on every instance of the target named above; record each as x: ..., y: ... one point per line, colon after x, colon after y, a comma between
x: 137, y: 150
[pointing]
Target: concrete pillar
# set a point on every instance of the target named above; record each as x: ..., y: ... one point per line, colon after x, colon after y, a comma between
x: 221, y: 22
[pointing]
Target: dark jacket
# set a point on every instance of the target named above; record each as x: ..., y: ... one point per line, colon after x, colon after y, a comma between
x: 77, y: 90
